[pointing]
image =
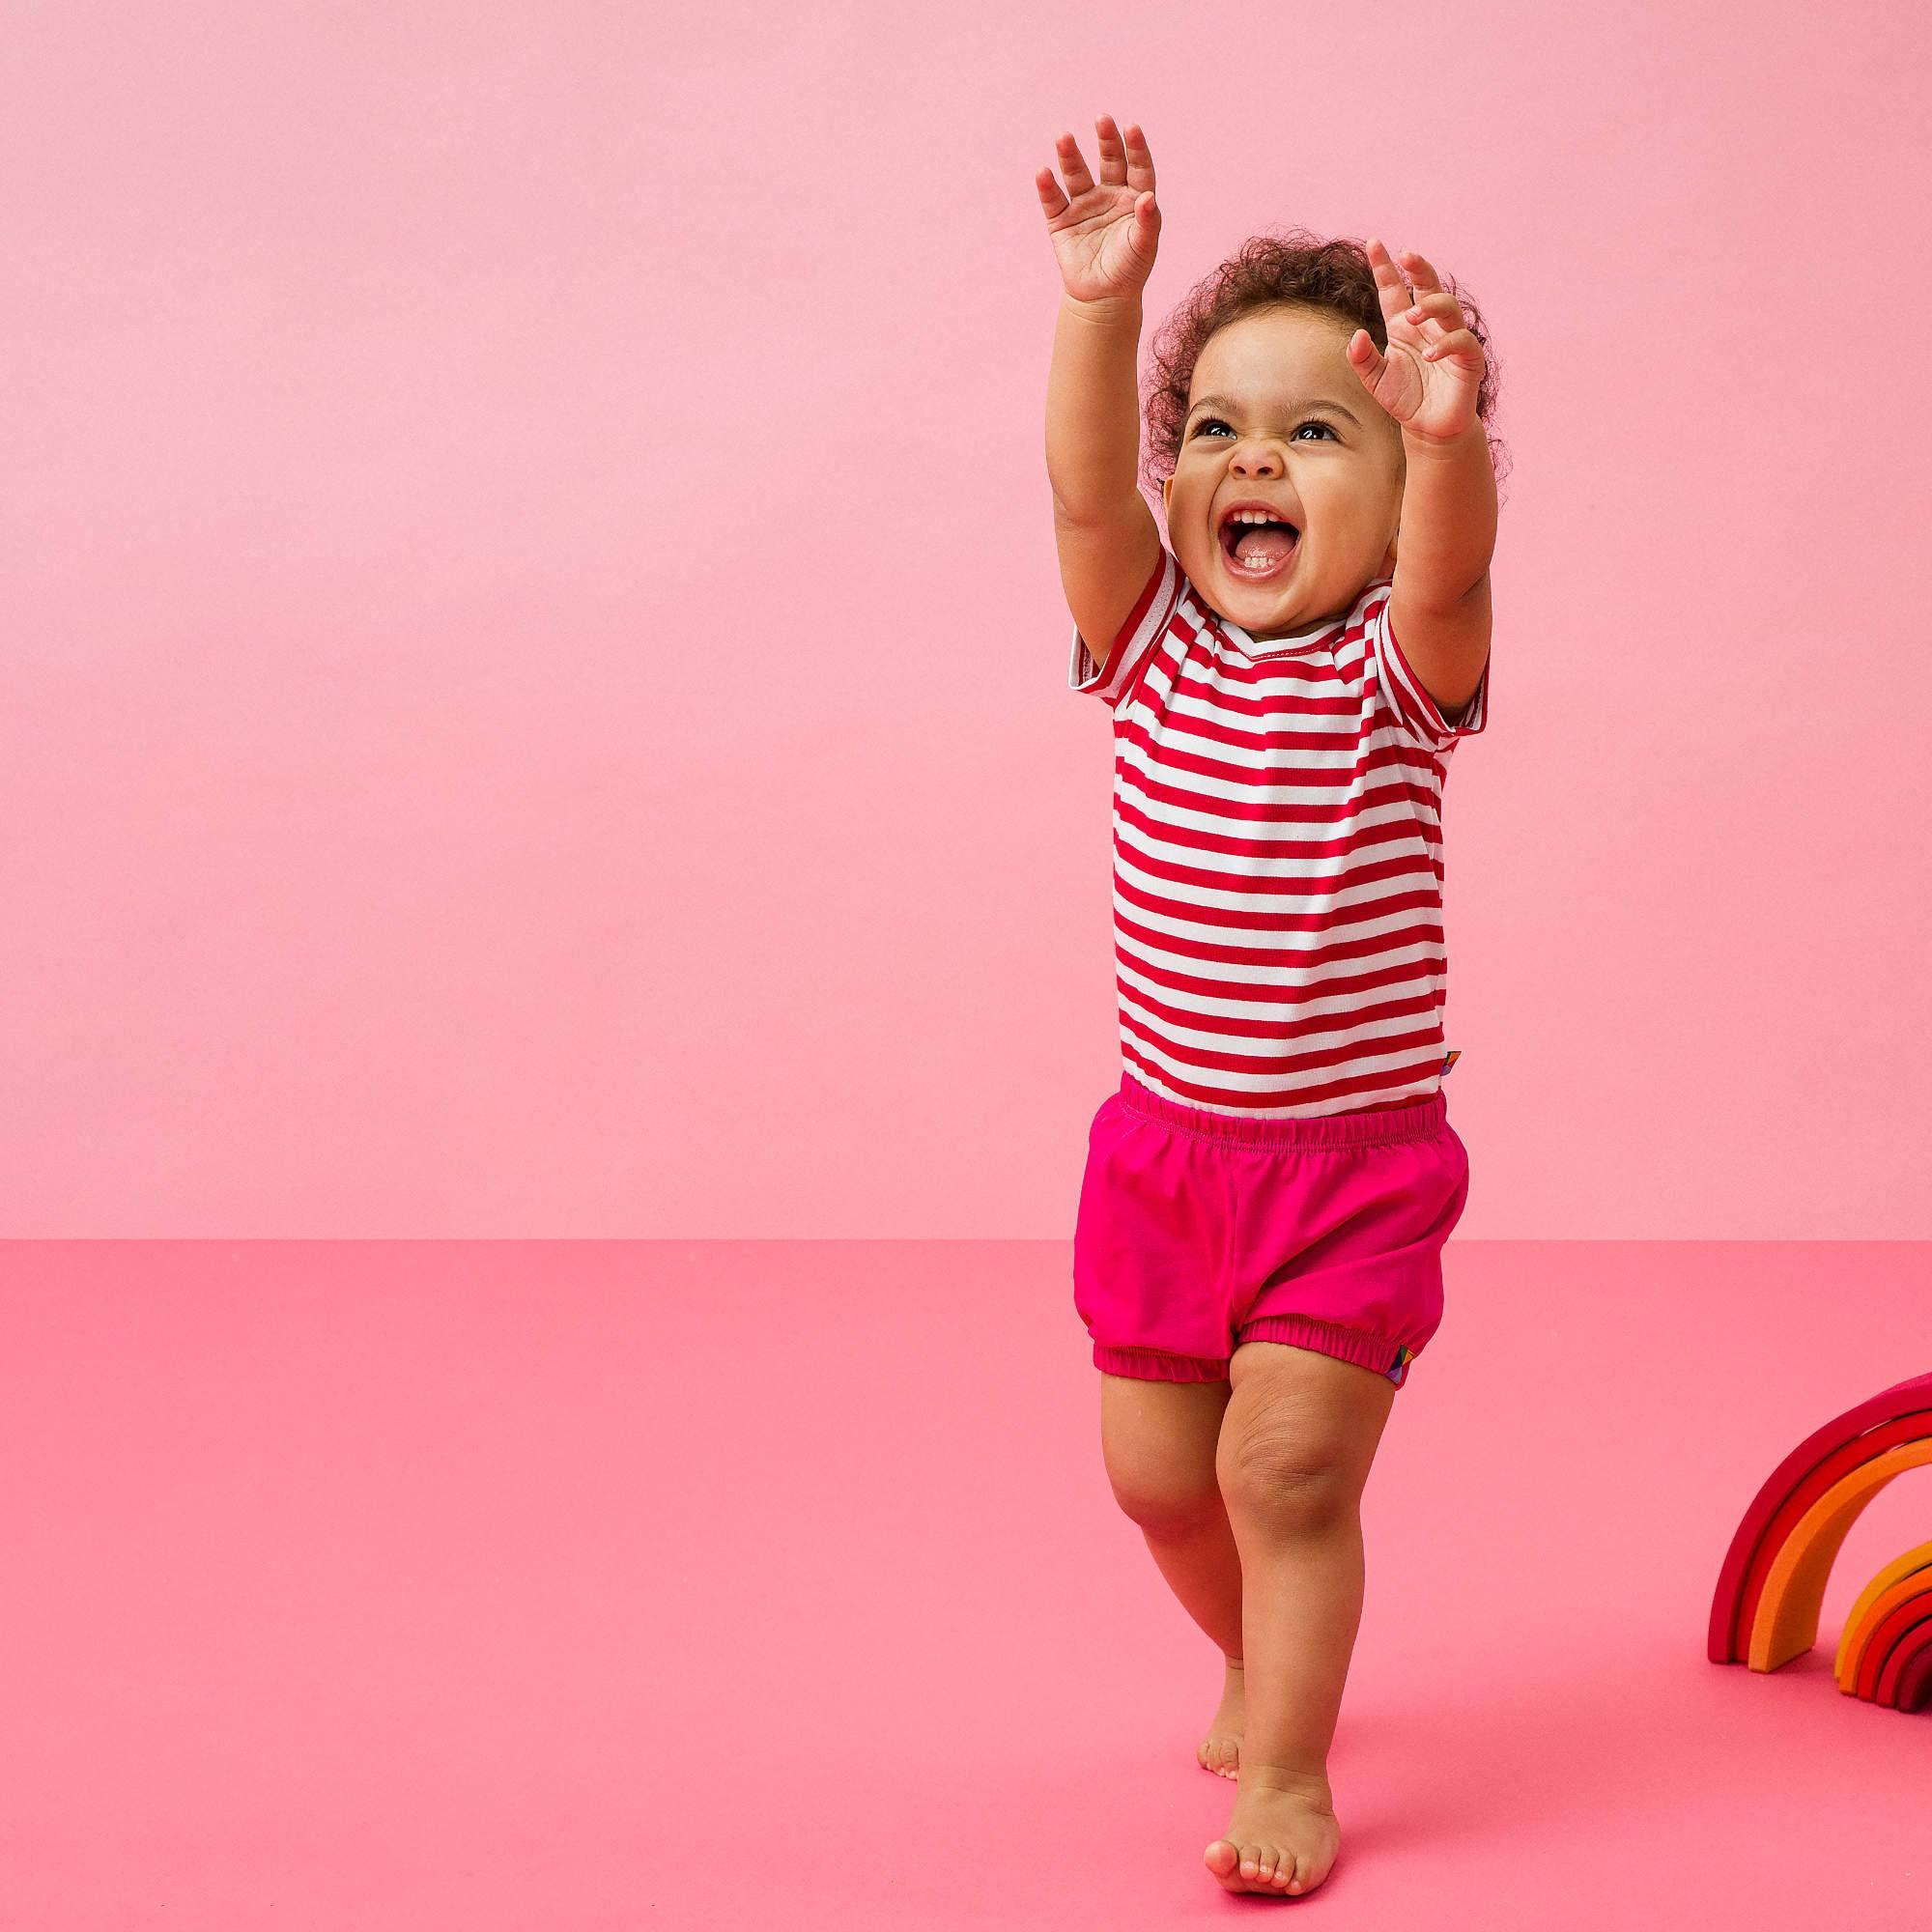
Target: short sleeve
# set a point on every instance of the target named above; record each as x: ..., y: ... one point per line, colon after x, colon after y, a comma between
x: 1153, y: 612
x: 1417, y: 714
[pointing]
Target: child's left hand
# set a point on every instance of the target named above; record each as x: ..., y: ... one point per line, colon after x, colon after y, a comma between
x: 1434, y: 367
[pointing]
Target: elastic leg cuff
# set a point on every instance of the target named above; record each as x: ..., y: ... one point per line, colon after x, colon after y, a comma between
x: 1155, y: 1365
x: 1330, y: 1338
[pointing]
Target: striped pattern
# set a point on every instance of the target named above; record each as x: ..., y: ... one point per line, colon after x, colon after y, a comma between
x: 1278, y: 931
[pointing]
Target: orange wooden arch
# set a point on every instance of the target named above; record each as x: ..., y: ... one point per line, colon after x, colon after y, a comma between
x: 1786, y: 1623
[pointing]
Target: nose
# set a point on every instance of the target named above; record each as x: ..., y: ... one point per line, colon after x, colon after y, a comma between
x: 1252, y: 457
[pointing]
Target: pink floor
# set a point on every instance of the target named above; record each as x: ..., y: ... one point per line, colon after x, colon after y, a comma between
x: 752, y: 1584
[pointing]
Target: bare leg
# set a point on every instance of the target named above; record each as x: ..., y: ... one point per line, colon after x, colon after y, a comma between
x: 1159, y: 1440
x: 1297, y: 1440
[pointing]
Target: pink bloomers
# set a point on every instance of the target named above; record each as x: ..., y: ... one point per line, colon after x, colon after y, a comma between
x: 1201, y: 1231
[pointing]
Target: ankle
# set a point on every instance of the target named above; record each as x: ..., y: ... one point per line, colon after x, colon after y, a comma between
x: 1297, y: 1780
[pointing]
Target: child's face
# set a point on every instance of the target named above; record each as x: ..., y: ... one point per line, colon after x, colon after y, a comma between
x: 1339, y: 481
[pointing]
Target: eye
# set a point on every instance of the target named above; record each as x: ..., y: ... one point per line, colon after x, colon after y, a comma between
x: 1214, y: 422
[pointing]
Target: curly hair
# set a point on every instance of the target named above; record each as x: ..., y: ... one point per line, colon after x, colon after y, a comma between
x: 1297, y: 269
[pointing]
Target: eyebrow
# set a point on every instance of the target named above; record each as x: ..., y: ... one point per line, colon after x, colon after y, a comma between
x: 1229, y: 405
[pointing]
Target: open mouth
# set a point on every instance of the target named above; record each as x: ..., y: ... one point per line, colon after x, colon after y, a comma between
x: 1254, y: 552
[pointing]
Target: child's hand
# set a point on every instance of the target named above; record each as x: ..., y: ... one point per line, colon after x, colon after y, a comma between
x: 1428, y: 378
x: 1104, y: 237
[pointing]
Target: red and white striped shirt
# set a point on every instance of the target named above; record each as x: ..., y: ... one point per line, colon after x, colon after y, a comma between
x: 1278, y: 933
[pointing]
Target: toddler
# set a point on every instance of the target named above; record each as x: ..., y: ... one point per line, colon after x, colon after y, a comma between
x: 1258, y: 1250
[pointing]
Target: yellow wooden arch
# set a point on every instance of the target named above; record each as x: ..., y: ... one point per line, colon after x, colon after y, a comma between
x: 1901, y: 1580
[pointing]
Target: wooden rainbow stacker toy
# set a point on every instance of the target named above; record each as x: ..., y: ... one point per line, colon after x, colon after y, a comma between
x: 1773, y: 1581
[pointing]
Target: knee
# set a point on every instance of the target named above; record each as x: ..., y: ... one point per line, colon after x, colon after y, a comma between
x: 1163, y: 1499
x: 1287, y: 1478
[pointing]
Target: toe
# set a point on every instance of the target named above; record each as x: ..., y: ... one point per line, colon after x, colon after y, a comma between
x: 1222, y: 1858
x: 1295, y: 1871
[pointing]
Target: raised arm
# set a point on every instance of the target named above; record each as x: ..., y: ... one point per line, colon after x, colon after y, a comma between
x: 1104, y: 235
x: 1094, y: 408
x: 1429, y: 381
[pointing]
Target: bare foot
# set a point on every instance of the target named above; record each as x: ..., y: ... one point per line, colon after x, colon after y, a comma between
x: 1283, y: 1836
x: 1220, y: 1751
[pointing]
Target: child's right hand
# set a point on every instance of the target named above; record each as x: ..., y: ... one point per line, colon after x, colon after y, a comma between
x: 1104, y: 237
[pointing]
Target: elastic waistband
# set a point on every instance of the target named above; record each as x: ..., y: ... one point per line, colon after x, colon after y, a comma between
x: 1362, y: 1129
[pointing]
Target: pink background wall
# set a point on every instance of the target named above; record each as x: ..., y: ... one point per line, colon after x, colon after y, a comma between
x: 533, y: 675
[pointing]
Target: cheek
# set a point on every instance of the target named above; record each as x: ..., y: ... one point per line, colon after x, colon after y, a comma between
x: 1200, y: 542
